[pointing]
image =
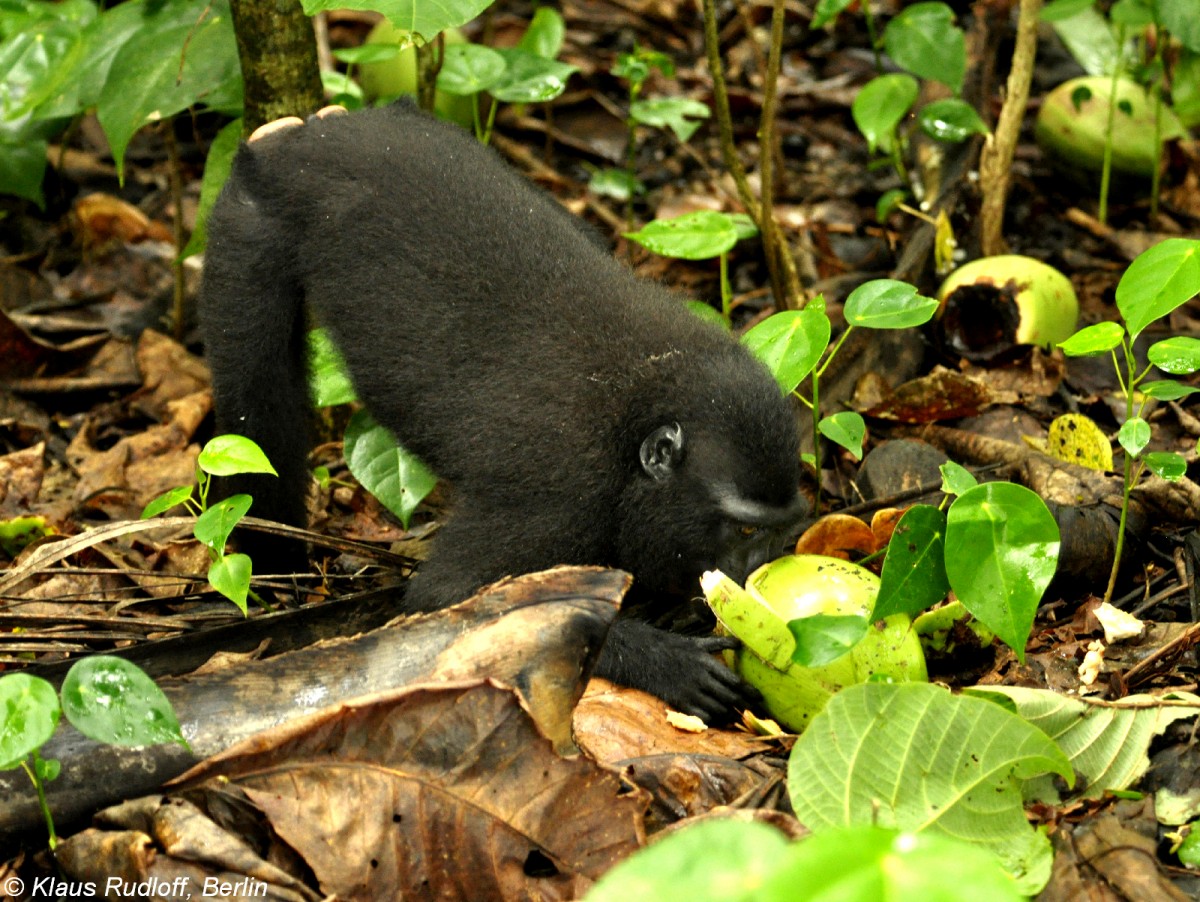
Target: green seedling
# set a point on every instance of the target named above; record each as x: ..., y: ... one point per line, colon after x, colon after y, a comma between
x: 105, y: 698
x: 1158, y: 281
x: 996, y: 547
x: 794, y: 344
x: 924, y: 41
x: 225, y: 455
x: 701, y: 235
x: 680, y: 114
x: 527, y: 73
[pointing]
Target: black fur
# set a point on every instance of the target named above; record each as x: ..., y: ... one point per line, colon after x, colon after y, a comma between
x: 582, y: 415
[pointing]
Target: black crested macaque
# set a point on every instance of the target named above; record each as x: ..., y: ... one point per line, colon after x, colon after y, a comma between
x: 582, y: 415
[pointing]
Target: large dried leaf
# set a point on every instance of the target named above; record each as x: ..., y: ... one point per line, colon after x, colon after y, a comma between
x: 439, y: 792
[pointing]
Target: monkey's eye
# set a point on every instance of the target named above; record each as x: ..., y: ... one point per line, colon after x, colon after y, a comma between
x: 747, y: 531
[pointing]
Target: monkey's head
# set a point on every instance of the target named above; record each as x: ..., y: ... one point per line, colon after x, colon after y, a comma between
x: 713, y: 477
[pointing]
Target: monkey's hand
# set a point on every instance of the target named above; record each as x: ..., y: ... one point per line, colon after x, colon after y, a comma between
x: 681, y: 670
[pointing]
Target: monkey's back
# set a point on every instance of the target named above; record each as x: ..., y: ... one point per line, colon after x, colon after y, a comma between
x: 493, y: 301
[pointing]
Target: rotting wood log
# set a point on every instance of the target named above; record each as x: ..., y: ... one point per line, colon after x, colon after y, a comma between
x: 539, y: 633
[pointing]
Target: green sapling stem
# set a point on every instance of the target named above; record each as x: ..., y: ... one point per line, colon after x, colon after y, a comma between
x: 40, y: 787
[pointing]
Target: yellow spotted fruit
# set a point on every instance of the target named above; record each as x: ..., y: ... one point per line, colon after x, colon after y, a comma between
x: 1072, y: 124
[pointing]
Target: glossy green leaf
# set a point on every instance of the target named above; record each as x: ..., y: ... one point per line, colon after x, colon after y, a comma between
x: 708, y: 313
x: 615, y: 183
x: 343, y: 90
x: 22, y: 168
x: 1090, y: 39
x: 871, y: 864
x: 393, y: 475
x: 214, y: 526
x: 529, y: 78
x: 34, y: 62
x: 692, y: 236
x: 112, y: 700
x: 232, y: 455
x: 1181, y: 20
x: 367, y: 53
x: 880, y: 106
x: 82, y: 78
x: 827, y: 11
x: 744, y: 225
x: 230, y: 575
x: 166, y: 501
x: 470, y: 68
x: 923, y: 39
x: 914, y: 569
x: 845, y: 428
x: 1179, y: 355
x: 888, y: 202
x: 680, y: 114
x: 823, y: 638
x: 329, y: 383
x: 1134, y: 436
x: 1158, y: 281
x: 915, y: 757
x: 1166, y: 390
x: 637, y: 66
x: 544, y: 36
x: 1057, y: 10
x: 1092, y: 340
x: 790, y: 343
x: 1001, y: 553
x: 1166, y: 464
x: 217, y: 167
x: 424, y: 19
x: 956, y: 479
x: 719, y: 859
x: 28, y: 716
x: 888, y: 304
x: 1131, y: 13
x: 160, y: 71
x: 950, y: 120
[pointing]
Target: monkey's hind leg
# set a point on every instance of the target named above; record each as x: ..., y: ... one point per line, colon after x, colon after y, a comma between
x: 255, y: 341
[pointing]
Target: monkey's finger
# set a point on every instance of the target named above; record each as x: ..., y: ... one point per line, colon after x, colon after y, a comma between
x: 712, y: 644
x: 274, y: 126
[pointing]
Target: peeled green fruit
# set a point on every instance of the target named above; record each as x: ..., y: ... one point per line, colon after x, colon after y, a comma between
x: 1074, y: 137
x: 803, y: 585
x: 391, y: 78
x: 978, y: 312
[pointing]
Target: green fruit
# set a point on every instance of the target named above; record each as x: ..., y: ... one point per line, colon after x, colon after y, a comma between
x: 397, y: 76
x: 1074, y: 136
x: 1047, y: 309
x: 802, y: 585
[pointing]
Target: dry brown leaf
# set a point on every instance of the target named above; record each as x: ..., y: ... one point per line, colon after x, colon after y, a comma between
x: 21, y: 479
x: 838, y: 535
x: 101, y: 218
x: 613, y: 723
x: 431, y: 792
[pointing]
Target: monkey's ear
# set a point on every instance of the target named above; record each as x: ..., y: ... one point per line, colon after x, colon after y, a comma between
x: 662, y: 451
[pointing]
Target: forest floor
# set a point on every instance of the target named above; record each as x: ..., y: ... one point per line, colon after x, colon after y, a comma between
x: 104, y: 404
